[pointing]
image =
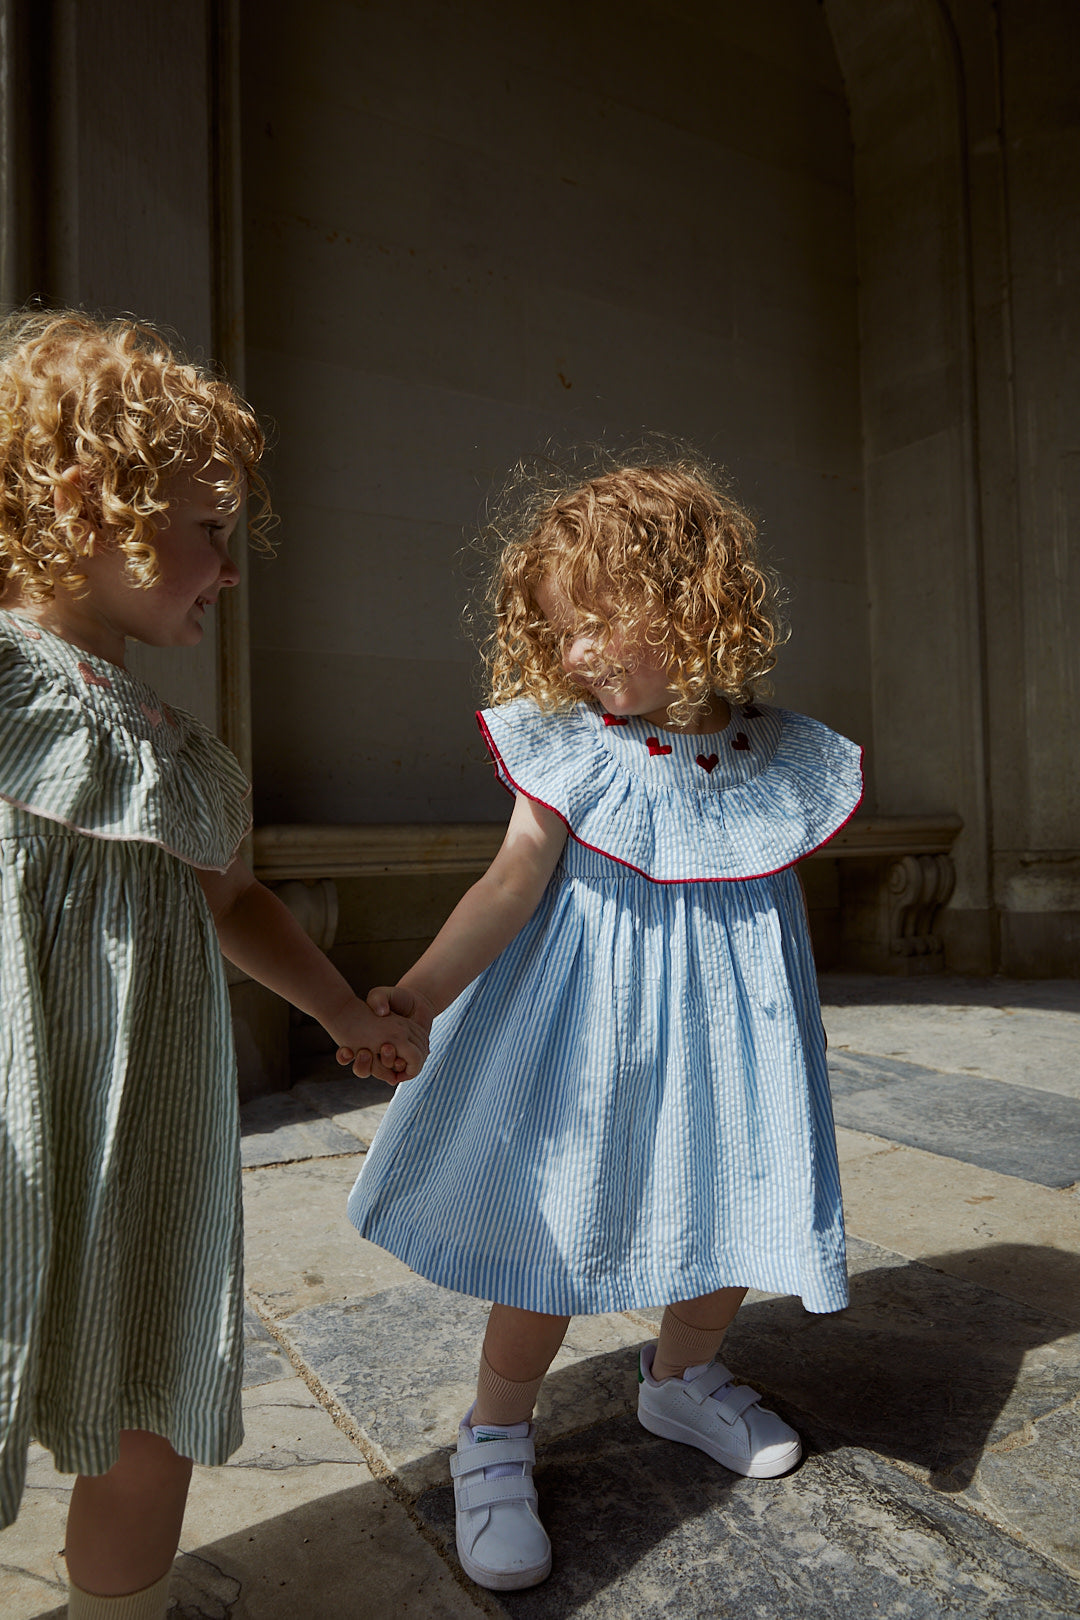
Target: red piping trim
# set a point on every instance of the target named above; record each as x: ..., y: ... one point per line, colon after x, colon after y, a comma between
x: 742, y: 878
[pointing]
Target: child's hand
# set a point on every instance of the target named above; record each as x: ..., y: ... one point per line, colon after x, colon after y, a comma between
x: 403, y: 999
x: 391, y: 1048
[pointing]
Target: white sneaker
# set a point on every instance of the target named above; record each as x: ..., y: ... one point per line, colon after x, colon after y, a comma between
x: 707, y: 1409
x: 500, y: 1540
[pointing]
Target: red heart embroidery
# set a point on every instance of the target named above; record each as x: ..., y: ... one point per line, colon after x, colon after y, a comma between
x: 710, y: 763
x: 94, y: 680
x: 655, y: 747
x: 153, y: 715
x: 750, y: 713
x: 616, y: 720
x: 741, y: 741
x: 30, y: 634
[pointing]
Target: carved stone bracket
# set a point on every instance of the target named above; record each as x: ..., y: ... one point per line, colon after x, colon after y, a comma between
x: 888, y: 909
x: 918, y: 886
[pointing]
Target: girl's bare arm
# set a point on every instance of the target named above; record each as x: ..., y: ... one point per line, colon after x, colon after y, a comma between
x: 261, y: 935
x: 486, y: 918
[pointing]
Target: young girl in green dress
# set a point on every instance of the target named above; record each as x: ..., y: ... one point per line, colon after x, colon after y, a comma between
x: 122, y: 471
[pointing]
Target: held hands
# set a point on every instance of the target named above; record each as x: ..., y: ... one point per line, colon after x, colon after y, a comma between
x: 396, y: 1003
x: 390, y: 1047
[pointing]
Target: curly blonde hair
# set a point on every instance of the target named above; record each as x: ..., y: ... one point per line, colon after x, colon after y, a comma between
x: 663, y: 553
x: 115, y: 400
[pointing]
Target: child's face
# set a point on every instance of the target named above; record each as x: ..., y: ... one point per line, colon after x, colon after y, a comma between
x: 624, y: 677
x: 191, y: 543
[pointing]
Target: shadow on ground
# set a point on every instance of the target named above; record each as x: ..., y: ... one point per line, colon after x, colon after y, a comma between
x: 923, y: 1366
x: 947, y: 990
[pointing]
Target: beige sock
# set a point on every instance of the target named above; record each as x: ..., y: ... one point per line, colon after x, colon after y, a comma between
x: 504, y: 1401
x: 149, y: 1604
x: 680, y: 1345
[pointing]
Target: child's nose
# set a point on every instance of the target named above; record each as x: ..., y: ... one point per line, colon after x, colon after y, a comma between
x: 230, y: 571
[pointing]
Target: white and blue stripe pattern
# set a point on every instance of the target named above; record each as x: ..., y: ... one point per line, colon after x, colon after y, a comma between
x: 121, y: 1284
x: 740, y: 803
x: 631, y: 1105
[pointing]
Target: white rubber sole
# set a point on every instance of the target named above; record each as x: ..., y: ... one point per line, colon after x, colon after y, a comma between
x: 668, y: 1429
x: 503, y: 1580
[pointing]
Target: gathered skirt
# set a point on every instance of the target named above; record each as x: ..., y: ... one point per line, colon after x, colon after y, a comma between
x: 121, y: 1286
x: 628, y: 1108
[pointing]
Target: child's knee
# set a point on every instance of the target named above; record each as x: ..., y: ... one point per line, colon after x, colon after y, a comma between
x: 147, y: 1461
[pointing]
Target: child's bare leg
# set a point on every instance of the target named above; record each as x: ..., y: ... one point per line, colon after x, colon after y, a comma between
x: 692, y: 1331
x: 123, y: 1527
x: 519, y: 1347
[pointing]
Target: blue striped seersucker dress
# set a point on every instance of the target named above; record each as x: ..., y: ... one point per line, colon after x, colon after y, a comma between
x: 630, y: 1106
x: 121, y: 1283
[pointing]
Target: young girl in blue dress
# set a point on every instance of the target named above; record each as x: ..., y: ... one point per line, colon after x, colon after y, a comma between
x: 626, y: 1102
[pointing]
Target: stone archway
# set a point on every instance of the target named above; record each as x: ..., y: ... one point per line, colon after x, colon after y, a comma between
x: 903, y: 76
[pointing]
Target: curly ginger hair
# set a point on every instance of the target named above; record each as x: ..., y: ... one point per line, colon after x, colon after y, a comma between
x: 113, y: 401
x: 663, y: 553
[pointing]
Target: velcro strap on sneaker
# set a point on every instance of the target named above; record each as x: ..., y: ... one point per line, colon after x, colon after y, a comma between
x: 488, y: 1453
x: 486, y: 1492
x: 714, y: 1377
x: 733, y: 1403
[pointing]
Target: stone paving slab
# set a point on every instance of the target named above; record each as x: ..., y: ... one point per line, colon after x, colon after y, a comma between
x: 925, y: 1368
x: 294, y: 1527
x: 1032, y: 1485
x: 403, y: 1365
x: 645, y: 1528
x: 921, y: 1367
x: 300, y: 1248
x: 1018, y: 1238
x: 1015, y: 1130
x: 356, y: 1105
x: 281, y: 1128
x: 1024, y: 1031
x: 33, y: 1575
x: 264, y: 1359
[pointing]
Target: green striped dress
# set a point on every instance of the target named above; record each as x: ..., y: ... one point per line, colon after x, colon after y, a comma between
x: 121, y: 1280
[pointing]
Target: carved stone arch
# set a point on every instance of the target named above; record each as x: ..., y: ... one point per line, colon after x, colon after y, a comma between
x: 904, y: 81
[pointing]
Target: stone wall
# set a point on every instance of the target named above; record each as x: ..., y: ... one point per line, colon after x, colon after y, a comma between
x: 967, y: 167
x: 834, y: 245
x: 473, y: 230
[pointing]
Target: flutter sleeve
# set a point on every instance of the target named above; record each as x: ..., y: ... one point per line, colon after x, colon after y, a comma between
x: 86, y: 745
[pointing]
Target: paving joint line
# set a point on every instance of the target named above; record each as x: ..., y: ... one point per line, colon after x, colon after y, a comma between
x: 979, y: 1507
x: 380, y: 1470
x: 1027, y: 1433
x: 307, y: 1158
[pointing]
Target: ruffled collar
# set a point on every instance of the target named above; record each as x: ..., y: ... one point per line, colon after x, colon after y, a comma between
x: 744, y: 802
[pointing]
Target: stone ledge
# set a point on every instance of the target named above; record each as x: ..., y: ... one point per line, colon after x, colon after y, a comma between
x: 290, y: 851
x: 374, y: 849
x: 893, y: 836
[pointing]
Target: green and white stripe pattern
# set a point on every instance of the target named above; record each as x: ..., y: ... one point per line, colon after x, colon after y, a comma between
x: 121, y: 1282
